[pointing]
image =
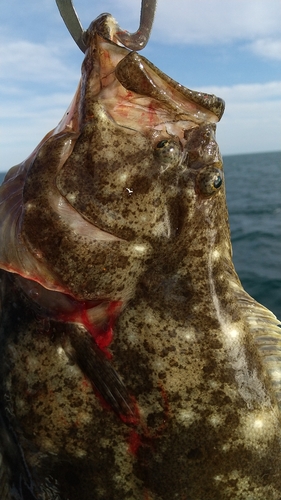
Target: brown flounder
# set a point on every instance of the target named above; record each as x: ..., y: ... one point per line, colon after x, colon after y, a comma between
x: 133, y: 363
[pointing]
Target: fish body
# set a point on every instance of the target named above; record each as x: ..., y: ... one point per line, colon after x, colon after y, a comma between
x: 133, y: 364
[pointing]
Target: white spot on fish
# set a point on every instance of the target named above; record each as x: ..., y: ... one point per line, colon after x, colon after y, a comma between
x: 159, y: 366
x: 140, y: 248
x: 132, y: 338
x: 258, y: 429
x: 80, y: 453
x: 234, y: 333
x: 258, y: 423
x: 215, y: 420
x: 123, y: 177
x: 189, y: 334
x: 61, y: 354
x: 110, y: 155
x: 226, y: 447
x: 143, y: 218
x: 186, y: 417
x: 150, y: 317
x: 214, y: 384
x: 71, y: 197
x: 218, y: 478
x: 275, y: 375
x: 216, y: 254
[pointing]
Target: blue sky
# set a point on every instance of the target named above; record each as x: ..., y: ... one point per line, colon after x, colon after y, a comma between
x: 228, y: 47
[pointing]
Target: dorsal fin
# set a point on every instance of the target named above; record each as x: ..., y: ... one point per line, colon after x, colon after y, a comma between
x: 265, y: 329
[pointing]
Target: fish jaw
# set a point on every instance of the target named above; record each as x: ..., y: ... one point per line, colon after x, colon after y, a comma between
x: 133, y: 91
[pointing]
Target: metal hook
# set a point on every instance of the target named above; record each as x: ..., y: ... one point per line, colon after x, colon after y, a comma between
x: 133, y: 41
x: 72, y: 22
x: 139, y: 39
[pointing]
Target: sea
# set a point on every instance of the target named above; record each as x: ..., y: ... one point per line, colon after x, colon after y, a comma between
x: 253, y: 188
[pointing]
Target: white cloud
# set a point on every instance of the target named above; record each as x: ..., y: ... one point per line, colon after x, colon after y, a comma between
x: 37, y: 83
x: 216, y: 21
x: 252, y: 119
x: 182, y: 21
x: 30, y: 106
x: 39, y: 79
x: 250, y: 128
x: 26, y: 121
x: 267, y: 48
x: 249, y: 92
x: 22, y: 60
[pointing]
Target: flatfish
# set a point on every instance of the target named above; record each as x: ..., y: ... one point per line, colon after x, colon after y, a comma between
x: 133, y: 364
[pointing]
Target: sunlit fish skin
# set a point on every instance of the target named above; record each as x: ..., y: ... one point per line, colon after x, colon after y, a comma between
x: 133, y: 364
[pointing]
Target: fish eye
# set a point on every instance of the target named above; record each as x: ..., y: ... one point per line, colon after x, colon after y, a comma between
x: 168, y: 153
x: 209, y: 180
x: 218, y: 181
x: 162, y: 144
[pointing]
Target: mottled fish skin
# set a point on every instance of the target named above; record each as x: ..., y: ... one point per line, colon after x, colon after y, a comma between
x: 133, y: 364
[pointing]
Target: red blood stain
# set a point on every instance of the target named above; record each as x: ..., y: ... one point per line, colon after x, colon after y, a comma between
x: 105, y: 54
x: 145, y: 436
x: 134, y: 442
x: 151, y: 113
x: 129, y: 95
x: 85, y: 384
x: 146, y: 495
x: 102, y: 334
x: 134, y: 417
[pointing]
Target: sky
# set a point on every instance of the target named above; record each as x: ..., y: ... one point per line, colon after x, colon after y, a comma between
x: 231, y: 48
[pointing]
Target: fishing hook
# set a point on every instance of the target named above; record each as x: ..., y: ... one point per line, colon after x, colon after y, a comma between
x: 133, y: 41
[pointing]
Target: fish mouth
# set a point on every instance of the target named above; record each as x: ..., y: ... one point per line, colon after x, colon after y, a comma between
x: 134, y: 92
x: 139, y: 75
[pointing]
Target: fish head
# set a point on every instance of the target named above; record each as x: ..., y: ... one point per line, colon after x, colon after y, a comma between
x: 123, y: 174
x: 103, y: 190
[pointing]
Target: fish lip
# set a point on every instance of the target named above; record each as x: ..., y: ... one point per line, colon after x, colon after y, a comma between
x: 145, y: 85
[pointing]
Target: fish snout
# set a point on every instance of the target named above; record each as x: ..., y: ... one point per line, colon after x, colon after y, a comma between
x: 201, y: 147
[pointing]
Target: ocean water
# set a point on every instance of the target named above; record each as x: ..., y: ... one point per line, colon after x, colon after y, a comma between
x: 253, y: 185
x: 253, y: 190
